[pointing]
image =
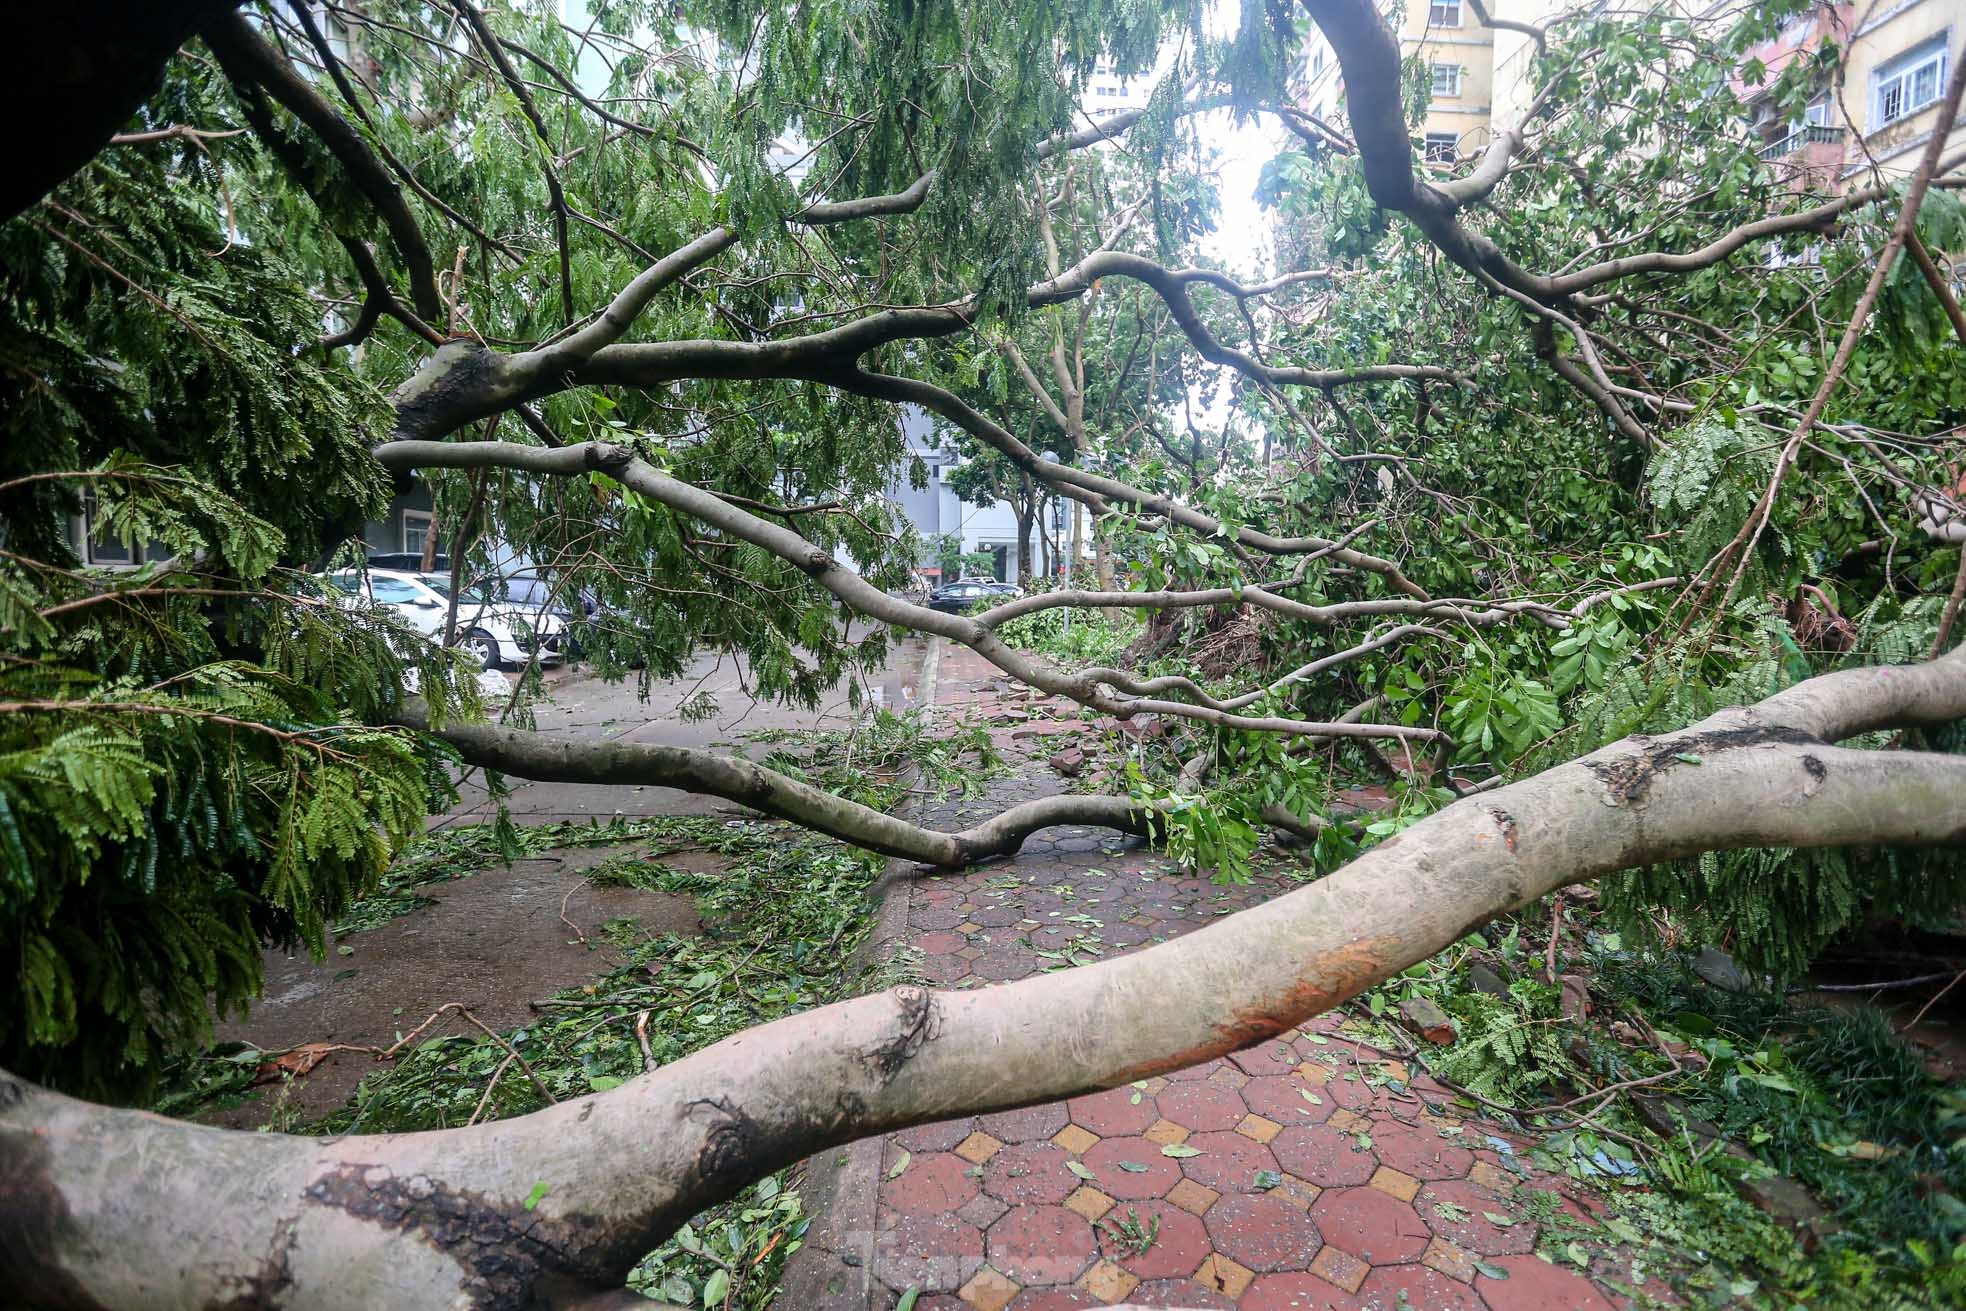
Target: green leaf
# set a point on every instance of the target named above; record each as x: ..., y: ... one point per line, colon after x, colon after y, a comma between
x: 1268, y: 1179
x: 1133, y: 1167
x: 1499, y: 1220
x: 900, y: 1164
x: 537, y: 1195
x: 1079, y: 1168
x: 1490, y: 1269
x: 1180, y: 1151
x: 908, y: 1299
x: 603, y: 1082
x: 715, y: 1288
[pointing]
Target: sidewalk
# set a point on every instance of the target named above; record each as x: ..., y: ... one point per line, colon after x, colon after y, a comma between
x: 1306, y: 1172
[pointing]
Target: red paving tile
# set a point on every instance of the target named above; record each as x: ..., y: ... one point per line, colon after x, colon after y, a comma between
x: 1131, y: 1169
x: 1229, y: 1162
x: 1202, y: 1106
x: 1356, y: 1247
x: 1041, y: 1245
x: 1371, y: 1224
x: 1536, y: 1285
x: 1114, y: 1113
x: 930, y: 1185
x: 1030, y: 1173
x: 1180, y: 1245
x: 1263, y: 1232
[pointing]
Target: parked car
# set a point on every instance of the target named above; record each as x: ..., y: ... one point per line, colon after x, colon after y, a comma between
x: 409, y: 562
x: 968, y: 593
x: 499, y: 632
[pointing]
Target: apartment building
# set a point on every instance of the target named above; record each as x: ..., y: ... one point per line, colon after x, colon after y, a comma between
x: 1878, y: 113
x: 1459, y: 54
x: 1881, y: 109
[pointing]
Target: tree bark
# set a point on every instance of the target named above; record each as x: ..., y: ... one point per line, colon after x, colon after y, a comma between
x: 108, y: 1208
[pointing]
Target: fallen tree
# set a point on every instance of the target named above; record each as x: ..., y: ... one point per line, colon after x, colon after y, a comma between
x: 1474, y: 485
x: 105, y: 1208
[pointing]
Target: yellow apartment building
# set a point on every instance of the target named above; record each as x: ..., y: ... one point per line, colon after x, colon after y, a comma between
x: 1878, y: 113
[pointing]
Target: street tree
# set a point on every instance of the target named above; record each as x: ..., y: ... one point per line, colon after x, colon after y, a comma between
x: 1594, y: 529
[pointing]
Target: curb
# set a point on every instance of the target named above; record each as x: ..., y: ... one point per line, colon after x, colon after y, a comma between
x: 834, y: 1269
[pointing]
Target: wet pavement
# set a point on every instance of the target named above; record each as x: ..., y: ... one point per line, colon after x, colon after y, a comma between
x: 1310, y: 1171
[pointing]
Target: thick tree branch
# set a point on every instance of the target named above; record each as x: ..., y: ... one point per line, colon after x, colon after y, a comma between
x: 461, y: 1215
x: 558, y: 760
x: 247, y: 58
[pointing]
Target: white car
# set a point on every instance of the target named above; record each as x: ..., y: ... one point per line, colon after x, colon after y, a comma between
x: 499, y: 634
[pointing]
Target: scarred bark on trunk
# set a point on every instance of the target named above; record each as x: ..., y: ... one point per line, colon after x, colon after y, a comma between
x: 111, y: 1208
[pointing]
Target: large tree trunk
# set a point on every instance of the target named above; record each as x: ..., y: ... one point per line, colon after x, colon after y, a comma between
x: 107, y: 1208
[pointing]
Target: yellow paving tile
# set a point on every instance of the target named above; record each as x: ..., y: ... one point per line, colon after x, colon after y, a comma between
x: 1299, y: 1193
x: 1450, y: 1259
x: 978, y: 1148
x: 1192, y: 1197
x: 989, y: 1291
x: 1340, y: 1268
x: 1258, y: 1128
x: 1225, y: 1276
x: 1493, y: 1178
x: 1075, y: 1139
x: 1389, y: 1181
x: 1107, y: 1282
x: 1349, y: 1121
x: 1165, y: 1132
x: 1089, y: 1202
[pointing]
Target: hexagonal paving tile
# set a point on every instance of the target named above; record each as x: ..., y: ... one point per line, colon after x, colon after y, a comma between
x: 1324, y: 1155
x: 1201, y: 1107
x: 1298, y: 1290
x: 1399, y: 1287
x: 1027, y: 1125
x: 1419, y: 1151
x: 1157, y: 1175
x: 1229, y: 1162
x: 1536, y: 1285
x: 1271, y: 1056
x: 935, y: 1253
x: 1180, y: 1240
x: 1370, y: 1224
x: 1030, y: 1173
x: 1041, y: 1245
x: 939, y: 1137
x: 1114, y: 1113
x: 930, y: 1185
x: 1263, y: 1233
x: 1282, y: 1098
x: 1465, y: 1222
x: 1052, y: 1299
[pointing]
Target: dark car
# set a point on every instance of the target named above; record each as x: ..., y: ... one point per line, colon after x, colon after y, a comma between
x: 956, y: 598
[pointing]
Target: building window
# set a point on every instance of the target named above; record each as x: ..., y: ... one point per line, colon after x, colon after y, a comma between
x: 1908, y: 83
x: 1317, y: 61
x: 1447, y: 79
x: 1441, y: 147
x: 99, y: 547
x: 1444, y: 15
x: 416, y: 531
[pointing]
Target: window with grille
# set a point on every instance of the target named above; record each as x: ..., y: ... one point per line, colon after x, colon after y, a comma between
x: 1444, y: 15
x: 416, y: 529
x: 1908, y: 83
x: 1447, y: 79
x: 1441, y: 147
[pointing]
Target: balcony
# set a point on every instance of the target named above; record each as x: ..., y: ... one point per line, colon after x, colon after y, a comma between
x: 1809, y: 134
